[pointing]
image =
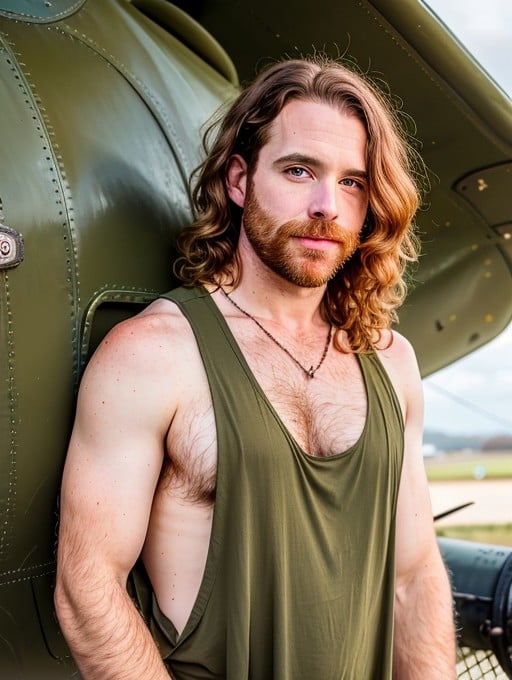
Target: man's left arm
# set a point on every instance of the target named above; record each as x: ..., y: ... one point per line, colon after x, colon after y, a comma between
x: 424, y: 638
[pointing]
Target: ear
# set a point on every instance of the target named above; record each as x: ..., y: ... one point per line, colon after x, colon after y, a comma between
x: 236, y: 180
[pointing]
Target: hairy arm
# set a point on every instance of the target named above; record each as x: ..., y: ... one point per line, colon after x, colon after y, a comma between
x: 111, y: 471
x: 424, y: 647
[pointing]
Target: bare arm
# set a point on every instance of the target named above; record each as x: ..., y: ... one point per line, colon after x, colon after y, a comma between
x: 113, y: 465
x: 424, y: 647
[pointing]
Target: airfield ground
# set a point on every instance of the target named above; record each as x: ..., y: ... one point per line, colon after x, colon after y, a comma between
x: 486, y: 479
x: 492, y: 501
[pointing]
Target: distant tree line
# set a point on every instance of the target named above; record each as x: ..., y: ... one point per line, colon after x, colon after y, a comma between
x: 500, y: 442
x: 456, y: 442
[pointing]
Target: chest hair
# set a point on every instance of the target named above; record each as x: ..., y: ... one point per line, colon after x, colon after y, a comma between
x: 325, y: 414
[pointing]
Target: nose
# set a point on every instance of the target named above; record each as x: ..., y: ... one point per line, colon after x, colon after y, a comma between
x: 323, y: 203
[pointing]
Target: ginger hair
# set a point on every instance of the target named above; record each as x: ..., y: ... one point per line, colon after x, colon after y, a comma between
x: 363, y: 297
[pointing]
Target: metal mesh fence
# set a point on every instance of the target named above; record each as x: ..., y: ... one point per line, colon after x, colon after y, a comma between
x: 478, y: 665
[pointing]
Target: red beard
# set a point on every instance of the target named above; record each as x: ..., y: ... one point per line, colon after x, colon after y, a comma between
x: 279, y: 247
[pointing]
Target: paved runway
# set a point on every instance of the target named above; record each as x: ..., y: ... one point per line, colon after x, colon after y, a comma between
x: 492, y: 501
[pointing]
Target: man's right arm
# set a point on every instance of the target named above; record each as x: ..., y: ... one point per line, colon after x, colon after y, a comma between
x: 111, y: 471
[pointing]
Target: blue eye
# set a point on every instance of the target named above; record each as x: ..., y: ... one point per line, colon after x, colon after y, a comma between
x: 296, y: 171
x: 350, y: 182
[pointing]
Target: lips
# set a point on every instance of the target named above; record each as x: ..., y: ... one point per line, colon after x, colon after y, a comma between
x: 317, y: 242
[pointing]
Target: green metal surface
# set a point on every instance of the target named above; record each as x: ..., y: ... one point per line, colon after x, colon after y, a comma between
x: 101, y: 116
x: 102, y: 107
x: 39, y: 11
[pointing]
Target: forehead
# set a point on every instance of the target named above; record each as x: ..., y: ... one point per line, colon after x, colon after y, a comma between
x: 318, y: 129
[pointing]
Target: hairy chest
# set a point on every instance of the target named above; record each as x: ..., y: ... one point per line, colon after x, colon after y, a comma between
x: 325, y: 415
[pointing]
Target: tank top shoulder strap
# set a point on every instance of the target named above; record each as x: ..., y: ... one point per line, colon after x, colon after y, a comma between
x: 224, y: 362
x: 380, y: 389
x: 227, y: 369
x: 211, y: 331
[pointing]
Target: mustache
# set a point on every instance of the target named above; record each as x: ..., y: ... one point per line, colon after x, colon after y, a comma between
x: 324, y: 229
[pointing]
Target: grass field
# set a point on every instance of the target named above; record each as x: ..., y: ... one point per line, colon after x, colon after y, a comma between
x: 496, y: 534
x: 471, y: 465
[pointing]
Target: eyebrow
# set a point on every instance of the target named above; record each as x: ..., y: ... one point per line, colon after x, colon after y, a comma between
x: 304, y: 159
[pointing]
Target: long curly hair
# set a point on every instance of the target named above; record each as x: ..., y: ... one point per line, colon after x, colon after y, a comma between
x: 363, y: 297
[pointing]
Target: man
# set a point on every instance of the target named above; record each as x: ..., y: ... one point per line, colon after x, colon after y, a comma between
x: 255, y: 436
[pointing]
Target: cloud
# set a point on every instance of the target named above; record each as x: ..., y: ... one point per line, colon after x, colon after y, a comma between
x: 475, y: 393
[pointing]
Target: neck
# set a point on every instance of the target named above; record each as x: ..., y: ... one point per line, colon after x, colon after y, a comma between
x: 292, y: 307
x: 309, y: 372
x: 269, y: 296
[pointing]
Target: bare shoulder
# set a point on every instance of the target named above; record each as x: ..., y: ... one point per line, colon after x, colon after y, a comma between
x: 141, y: 360
x: 397, y: 349
x: 147, y: 337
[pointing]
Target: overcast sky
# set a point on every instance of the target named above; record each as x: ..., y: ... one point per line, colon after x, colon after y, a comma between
x: 474, y: 395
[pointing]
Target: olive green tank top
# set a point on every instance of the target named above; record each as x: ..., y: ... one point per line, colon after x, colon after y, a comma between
x: 299, y: 578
